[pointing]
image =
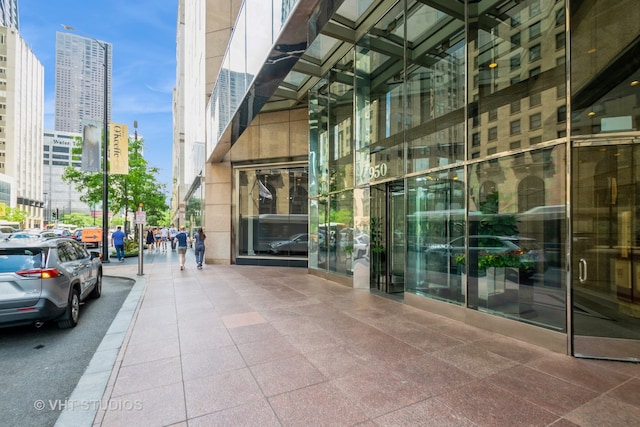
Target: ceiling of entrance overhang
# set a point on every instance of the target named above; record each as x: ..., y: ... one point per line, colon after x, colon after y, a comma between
x: 363, y: 20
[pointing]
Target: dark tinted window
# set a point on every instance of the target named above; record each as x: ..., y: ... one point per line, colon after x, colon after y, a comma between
x: 66, y: 252
x: 20, y: 259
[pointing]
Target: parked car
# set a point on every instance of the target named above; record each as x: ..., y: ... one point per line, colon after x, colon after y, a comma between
x: 61, y: 232
x: 296, y: 244
x: 46, y: 279
x: 48, y: 235
x: 22, y: 235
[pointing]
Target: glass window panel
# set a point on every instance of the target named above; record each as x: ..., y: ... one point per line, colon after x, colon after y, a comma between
x: 237, y: 54
x: 320, y: 49
x: 605, y: 67
x: 267, y: 226
x: 435, y: 222
x: 435, y: 88
x: 529, y: 73
x: 512, y: 258
x: 515, y: 127
x: 353, y: 9
x: 261, y: 39
x: 341, y: 172
x: 535, y: 121
x: 339, y: 230
x: 319, y: 140
x: 380, y: 102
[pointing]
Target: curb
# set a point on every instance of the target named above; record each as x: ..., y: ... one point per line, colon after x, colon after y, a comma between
x: 88, y: 393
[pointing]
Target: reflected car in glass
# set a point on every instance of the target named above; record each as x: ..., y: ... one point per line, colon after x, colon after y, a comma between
x: 46, y: 279
x: 509, y: 250
x: 296, y: 244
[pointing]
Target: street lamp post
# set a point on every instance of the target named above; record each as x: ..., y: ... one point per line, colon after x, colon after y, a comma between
x: 105, y: 151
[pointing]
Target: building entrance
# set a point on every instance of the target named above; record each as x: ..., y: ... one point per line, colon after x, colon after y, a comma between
x: 606, y: 249
x: 387, y: 237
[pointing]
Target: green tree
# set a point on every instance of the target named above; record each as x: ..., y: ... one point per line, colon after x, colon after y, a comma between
x: 126, y: 192
x: 81, y: 220
x: 14, y: 215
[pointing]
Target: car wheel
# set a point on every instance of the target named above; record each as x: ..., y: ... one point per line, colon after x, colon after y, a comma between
x: 97, y: 288
x: 70, y: 318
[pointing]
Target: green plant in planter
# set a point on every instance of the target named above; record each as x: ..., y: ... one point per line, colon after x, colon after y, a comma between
x: 498, y: 261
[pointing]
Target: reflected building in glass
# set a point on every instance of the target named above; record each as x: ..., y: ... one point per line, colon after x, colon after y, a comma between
x: 475, y: 159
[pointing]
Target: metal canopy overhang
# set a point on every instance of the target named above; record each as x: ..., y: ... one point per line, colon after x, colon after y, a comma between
x: 302, y: 27
x: 311, y: 19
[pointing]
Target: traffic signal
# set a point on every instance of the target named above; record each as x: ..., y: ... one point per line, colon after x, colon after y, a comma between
x: 53, y: 216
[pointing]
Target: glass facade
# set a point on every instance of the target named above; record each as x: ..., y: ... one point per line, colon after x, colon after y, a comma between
x: 438, y: 159
x: 476, y: 155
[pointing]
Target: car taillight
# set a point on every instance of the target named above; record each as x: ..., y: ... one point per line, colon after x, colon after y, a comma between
x: 43, y: 273
x: 517, y: 252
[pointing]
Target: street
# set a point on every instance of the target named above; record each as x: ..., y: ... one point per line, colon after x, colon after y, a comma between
x: 41, y: 367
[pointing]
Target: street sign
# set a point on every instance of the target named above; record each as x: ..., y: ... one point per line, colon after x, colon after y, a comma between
x: 91, y: 235
x: 141, y: 217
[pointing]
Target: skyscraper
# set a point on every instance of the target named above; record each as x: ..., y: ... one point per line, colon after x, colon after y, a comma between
x: 9, y: 14
x: 79, y: 91
x: 21, y: 126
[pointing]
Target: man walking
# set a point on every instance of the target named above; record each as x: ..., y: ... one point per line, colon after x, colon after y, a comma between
x: 182, y: 238
x: 172, y: 236
x: 117, y: 240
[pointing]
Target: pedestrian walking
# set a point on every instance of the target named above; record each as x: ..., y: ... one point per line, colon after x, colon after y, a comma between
x: 182, y: 239
x: 117, y: 240
x: 150, y: 239
x: 156, y: 235
x: 164, y: 237
x: 173, y: 230
x: 199, y: 246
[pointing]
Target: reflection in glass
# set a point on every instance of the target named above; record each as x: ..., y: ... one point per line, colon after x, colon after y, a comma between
x: 339, y: 232
x: 194, y: 208
x: 318, y: 140
x: 435, y: 89
x: 435, y: 222
x: 605, y: 70
x: 514, y: 58
x: 380, y: 71
x: 341, y: 125
x: 273, y: 211
x: 514, y: 263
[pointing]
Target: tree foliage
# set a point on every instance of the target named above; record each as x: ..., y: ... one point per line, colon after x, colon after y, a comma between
x: 126, y: 192
x: 14, y: 215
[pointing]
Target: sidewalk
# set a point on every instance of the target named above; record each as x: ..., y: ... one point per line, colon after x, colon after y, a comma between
x: 269, y: 346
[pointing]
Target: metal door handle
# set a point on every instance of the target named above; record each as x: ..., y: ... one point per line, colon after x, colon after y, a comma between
x: 582, y: 268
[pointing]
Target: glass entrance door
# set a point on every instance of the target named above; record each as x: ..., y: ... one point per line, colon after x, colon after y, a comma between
x: 387, y: 237
x: 605, y: 248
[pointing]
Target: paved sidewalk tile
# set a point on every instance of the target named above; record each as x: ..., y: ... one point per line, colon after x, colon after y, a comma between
x: 271, y: 346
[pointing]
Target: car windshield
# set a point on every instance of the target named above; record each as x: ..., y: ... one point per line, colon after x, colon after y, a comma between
x: 12, y: 260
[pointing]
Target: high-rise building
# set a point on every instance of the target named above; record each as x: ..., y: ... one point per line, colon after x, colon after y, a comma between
x: 9, y: 14
x: 21, y: 126
x: 58, y: 147
x: 79, y: 90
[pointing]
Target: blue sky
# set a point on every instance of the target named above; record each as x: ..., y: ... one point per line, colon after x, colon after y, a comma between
x: 143, y: 36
